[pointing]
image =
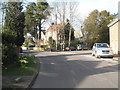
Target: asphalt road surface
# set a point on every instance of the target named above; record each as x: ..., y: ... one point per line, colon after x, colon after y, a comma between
x: 77, y: 69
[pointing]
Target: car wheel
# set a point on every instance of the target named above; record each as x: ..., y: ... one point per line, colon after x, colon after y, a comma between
x: 93, y: 54
x: 96, y: 55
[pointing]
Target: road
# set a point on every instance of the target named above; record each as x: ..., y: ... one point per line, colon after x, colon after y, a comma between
x: 75, y: 69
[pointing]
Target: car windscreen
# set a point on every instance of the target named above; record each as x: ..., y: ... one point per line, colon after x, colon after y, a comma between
x: 72, y: 47
x: 102, y: 46
x: 84, y: 45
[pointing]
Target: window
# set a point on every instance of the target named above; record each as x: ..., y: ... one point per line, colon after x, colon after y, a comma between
x: 102, y: 45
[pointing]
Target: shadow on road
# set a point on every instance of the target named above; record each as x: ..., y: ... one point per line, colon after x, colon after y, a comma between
x: 59, y: 71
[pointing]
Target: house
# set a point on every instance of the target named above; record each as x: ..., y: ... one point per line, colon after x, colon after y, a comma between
x: 114, y: 32
x: 57, y: 31
x: 54, y: 31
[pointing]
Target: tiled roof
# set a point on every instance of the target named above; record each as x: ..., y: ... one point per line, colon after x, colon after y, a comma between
x: 55, y: 27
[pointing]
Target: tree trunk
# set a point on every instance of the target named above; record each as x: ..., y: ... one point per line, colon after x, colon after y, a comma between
x: 40, y: 30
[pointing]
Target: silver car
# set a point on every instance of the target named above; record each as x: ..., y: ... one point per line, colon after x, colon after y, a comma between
x: 102, y: 50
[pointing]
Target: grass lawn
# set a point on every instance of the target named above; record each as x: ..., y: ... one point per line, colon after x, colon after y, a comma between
x: 26, y: 68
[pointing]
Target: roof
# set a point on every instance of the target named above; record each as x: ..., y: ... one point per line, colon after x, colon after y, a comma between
x: 113, y: 22
x: 55, y: 27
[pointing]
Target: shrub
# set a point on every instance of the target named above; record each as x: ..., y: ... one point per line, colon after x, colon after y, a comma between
x: 9, y: 54
x: 44, y: 46
x: 8, y: 37
x: 75, y: 42
x: 24, y: 45
x: 51, y: 43
x: 31, y: 45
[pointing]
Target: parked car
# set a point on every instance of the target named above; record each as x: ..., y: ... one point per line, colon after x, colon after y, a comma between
x: 71, y: 48
x: 102, y: 50
x: 82, y: 47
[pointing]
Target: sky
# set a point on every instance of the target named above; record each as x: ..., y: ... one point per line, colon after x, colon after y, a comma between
x: 87, y: 6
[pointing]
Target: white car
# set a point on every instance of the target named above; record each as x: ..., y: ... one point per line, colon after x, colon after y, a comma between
x: 102, y: 50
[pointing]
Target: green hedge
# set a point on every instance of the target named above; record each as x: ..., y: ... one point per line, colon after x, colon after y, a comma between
x: 9, y: 54
x: 44, y: 46
x: 30, y: 45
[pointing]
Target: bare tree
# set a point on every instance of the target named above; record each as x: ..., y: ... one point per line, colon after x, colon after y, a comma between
x: 63, y: 11
x: 58, y: 16
x: 72, y: 11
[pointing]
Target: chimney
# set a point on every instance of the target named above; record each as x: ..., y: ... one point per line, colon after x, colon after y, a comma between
x: 118, y: 10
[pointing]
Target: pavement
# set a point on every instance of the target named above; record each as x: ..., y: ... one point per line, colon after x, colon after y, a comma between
x: 9, y: 81
x: 116, y: 58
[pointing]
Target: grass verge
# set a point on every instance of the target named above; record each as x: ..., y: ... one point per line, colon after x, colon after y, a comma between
x: 22, y: 69
x: 26, y: 66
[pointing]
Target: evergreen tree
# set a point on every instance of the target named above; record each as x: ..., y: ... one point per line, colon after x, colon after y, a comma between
x: 35, y: 16
x: 95, y: 27
x: 14, y: 21
x: 12, y: 32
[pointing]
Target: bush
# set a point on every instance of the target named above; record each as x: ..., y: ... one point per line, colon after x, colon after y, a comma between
x: 8, y: 37
x: 51, y: 42
x: 74, y: 43
x: 26, y: 65
x: 31, y: 45
x: 44, y: 46
x: 24, y: 45
x: 9, y: 54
